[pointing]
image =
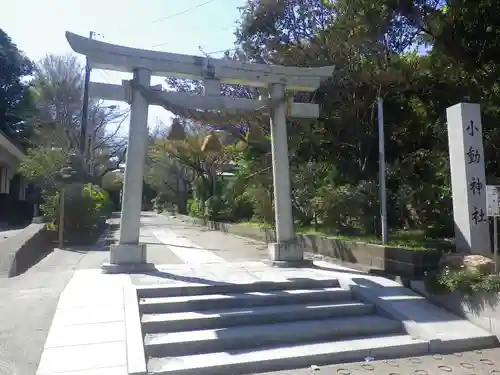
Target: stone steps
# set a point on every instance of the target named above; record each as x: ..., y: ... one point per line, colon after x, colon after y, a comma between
x: 154, y: 291
x: 275, y: 358
x: 256, y: 336
x: 246, y: 328
x: 231, y: 300
x: 193, y: 320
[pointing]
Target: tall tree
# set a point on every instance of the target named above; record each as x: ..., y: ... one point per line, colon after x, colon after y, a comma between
x: 58, y: 89
x: 15, y: 100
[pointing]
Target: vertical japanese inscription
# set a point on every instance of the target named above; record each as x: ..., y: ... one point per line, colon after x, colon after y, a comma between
x: 465, y: 140
x: 472, y: 128
x: 478, y: 215
x: 473, y: 156
x: 476, y: 186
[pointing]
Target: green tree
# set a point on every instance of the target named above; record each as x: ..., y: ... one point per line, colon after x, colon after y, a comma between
x: 15, y: 99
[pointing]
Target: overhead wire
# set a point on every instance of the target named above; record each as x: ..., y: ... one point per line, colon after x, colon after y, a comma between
x: 187, y: 10
x: 166, y: 43
x: 162, y: 19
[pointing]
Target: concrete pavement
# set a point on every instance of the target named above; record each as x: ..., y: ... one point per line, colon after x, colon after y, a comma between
x: 28, y: 305
x: 29, y: 302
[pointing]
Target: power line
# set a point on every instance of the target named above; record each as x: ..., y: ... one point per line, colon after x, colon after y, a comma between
x: 166, y: 43
x: 182, y: 12
x: 221, y: 51
x: 170, y: 16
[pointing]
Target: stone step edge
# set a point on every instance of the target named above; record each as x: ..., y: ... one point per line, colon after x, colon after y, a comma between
x: 173, y: 322
x: 154, y: 291
x: 211, y: 301
x: 290, y: 357
x: 252, y: 336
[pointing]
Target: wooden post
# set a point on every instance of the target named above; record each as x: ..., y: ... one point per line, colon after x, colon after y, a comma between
x: 61, y: 217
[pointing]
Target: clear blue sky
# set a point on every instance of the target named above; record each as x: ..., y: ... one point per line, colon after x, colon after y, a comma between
x: 38, y: 27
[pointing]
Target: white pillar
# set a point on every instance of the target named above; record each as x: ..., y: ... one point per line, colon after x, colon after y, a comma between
x: 128, y: 250
x: 285, y: 249
x: 465, y: 137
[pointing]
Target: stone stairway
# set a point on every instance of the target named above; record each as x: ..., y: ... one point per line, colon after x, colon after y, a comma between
x: 249, y: 328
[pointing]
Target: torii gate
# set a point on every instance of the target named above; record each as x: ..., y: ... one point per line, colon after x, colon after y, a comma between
x: 211, y: 107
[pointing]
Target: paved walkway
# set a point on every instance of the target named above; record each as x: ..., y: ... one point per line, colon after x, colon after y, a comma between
x: 30, y: 301
x: 479, y: 362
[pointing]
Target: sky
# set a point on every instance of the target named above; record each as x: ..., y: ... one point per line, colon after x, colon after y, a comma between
x: 38, y: 28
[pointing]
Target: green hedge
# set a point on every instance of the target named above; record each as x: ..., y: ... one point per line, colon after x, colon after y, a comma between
x: 86, y: 207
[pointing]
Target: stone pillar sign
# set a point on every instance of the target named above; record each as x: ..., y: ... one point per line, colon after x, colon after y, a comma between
x: 465, y: 137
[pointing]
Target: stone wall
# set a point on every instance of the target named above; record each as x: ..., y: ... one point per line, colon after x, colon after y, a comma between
x: 392, y: 260
x: 481, y: 310
x: 19, y: 252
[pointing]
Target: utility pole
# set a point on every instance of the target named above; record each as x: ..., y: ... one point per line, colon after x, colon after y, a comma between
x: 381, y: 161
x: 85, y: 109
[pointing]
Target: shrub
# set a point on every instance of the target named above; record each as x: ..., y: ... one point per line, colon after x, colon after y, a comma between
x: 86, y: 207
x: 195, y: 208
x: 158, y: 204
x: 242, y: 208
x: 263, y: 204
x: 214, y: 208
x: 463, y: 280
x: 340, y: 208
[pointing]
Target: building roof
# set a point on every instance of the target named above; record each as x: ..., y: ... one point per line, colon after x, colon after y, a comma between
x: 10, y: 147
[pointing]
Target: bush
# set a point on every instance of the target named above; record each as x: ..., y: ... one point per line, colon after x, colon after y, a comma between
x: 86, y: 207
x: 214, y: 208
x: 340, y: 208
x: 263, y: 204
x: 158, y: 204
x: 464, y: 281
x: 195, y: 208
x: 242, y: 208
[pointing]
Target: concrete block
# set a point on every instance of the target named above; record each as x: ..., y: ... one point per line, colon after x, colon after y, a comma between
x: 127, y: 254
x: 136, y: 360
x: 110, y: 268
x: 85, y: 334
x: 444, y: 330
x: 285, y: 252
x: 88, y: 315
x: 82, y: 357
x: 119, y: 370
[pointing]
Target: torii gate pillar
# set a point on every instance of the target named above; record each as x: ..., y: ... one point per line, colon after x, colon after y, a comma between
x: 129, y: 251
x: 284, y: 252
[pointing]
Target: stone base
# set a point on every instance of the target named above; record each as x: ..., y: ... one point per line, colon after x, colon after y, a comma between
x: 289, y: 263
x: 37, y: 220
x: 286, y: 255
x: 110, y: 268
x: 127, y: 253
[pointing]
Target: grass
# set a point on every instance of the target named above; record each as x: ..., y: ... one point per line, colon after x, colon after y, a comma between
x: 411, y: 240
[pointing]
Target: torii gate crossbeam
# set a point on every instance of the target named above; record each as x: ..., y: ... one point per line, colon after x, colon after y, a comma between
x: 143, y: 64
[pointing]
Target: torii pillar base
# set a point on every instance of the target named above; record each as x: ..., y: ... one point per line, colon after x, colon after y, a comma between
x: 127, y: 258
x: 287, y: 255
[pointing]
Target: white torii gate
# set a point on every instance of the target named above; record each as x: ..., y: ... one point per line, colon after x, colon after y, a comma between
x: 139, y: 94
